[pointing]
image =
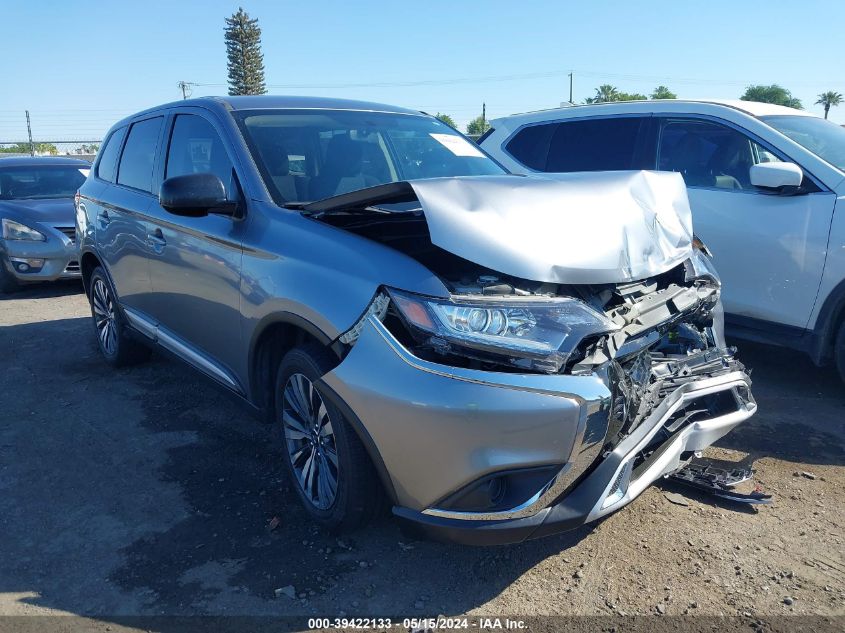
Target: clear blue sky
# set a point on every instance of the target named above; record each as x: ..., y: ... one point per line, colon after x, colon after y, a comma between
x: 79, y: 66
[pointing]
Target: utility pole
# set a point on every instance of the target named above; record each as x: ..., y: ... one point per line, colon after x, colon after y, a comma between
x: 570, y: 89
x: 29, y: 132
x: 483, y: 118
x: 185, y: 86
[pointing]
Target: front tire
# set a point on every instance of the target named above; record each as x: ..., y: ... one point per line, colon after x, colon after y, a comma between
x: 116, y: 345
x: 839, y: 350
x: 328, y: 465
x: 8, y: 284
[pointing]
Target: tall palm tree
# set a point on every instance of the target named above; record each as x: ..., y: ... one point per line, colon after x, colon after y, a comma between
x: 829, y: 99
x: 605, y: 93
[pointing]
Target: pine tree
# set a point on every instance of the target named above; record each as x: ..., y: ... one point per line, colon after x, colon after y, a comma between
x: 243, y: 48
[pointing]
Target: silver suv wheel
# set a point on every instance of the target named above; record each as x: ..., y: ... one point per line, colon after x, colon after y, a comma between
x: 310, y: 441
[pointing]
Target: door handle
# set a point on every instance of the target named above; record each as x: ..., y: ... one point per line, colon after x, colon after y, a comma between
x: 156, y: 241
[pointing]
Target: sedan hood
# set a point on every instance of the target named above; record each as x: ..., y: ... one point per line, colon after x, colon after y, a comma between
x: 580, y: 228
x: 54, y: 211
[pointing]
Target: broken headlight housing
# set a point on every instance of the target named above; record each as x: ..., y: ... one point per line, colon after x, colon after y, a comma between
x: 532, y: 334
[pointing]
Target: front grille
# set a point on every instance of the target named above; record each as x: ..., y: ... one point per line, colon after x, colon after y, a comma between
x: 69, y: 231
x: 72, y: 267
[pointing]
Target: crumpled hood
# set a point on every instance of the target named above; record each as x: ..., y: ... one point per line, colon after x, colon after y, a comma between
x: 54, y: 211
x: 579, y: 228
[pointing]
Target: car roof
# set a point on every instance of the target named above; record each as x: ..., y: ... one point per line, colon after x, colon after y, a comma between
x: 39, y: 161
x: 275, y: 102
x: 752, y: 108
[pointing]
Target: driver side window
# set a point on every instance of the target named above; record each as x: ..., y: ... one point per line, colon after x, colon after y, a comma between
x: 195, y: 147
x: 709, y: 154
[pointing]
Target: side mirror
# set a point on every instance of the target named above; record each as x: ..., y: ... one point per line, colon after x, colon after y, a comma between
x: 776, y: 176
x: 195, y: 195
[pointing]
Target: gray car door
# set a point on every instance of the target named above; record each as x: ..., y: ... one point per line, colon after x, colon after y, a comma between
x: 119, y: 211
x: 195, y: 262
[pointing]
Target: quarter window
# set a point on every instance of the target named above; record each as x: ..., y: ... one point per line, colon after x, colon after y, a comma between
x: 530, y: 146
x: 594, y: 145
x: 195, y: 147
x: 138, y: 158
x: 107, y: 166
x: 709, y: 154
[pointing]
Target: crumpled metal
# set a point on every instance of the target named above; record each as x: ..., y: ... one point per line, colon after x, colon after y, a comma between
x: 577, y: 228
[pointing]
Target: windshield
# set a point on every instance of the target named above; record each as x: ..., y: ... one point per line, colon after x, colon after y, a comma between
x: 307, y: 155
x: 41, y: 181
x: 822, y: 137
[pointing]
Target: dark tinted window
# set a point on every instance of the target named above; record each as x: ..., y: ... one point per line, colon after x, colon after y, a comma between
x: 107, y: 166
x: 138, y: 158
x: 530, y: 146
x: 195, y: 147
x: 594, y: 145
x: 42, y: 181
x: 709, y: 154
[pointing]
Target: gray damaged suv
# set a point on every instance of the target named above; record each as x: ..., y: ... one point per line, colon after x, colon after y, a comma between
x: 501, y: 357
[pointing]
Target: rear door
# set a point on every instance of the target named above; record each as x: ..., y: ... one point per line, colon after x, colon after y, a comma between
x: 195, y: 263
x: 120, y: 212
x: 769, y: 249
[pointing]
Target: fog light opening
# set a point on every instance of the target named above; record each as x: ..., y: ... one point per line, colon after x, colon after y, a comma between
x: 619, y: 487
x: 27, y: 265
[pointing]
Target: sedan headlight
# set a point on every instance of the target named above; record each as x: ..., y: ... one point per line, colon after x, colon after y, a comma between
x: 530, y: 333
x: 16, y: 231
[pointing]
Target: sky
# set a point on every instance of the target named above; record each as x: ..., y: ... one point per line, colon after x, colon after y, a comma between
x: 79, y: 67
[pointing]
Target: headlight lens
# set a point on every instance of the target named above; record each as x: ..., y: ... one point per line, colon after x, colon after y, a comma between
x: 536, y: 334
x: 16, y: 231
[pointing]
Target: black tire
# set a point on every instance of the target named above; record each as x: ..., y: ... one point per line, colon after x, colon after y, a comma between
x: 358, y: 493
x: 8, y: 284
x: 115, y: 343
x: 839, y: 350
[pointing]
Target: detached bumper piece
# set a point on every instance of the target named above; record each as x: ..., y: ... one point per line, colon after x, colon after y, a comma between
x: 704, y: 476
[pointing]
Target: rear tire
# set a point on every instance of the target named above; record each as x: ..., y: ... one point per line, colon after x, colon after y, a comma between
x: 328, y: 465
x: 839, y: 350
x: 116, y: 345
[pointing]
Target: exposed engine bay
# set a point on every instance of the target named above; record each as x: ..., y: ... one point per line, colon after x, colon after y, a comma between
x: 649, y: 336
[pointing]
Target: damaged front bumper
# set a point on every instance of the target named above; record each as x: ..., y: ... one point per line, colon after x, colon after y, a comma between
x: 559, y: 441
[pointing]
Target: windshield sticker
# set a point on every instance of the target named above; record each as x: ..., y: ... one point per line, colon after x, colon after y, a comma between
x: 458, y: 145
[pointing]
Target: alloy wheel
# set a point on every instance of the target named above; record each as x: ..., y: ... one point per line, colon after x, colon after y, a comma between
x: 104, y: 316
x: 310, y: 441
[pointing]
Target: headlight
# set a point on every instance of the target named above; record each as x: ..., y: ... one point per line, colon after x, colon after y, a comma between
x: 16, y: 231
x: 530, y: 333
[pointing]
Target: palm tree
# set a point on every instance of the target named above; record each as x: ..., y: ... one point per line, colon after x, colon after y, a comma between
x: 829, y: 99
x: 662, y: 92
x: 605, y: 93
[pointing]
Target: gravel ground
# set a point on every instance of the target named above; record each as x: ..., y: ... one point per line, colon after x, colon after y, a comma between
x: 148, y: 491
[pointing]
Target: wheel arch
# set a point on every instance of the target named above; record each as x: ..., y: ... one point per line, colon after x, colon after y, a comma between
x: 88, y: 262
x: 831, y: 316
x: 272, y: 338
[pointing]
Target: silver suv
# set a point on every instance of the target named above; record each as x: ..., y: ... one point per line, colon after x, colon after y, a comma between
x: 501, y: 357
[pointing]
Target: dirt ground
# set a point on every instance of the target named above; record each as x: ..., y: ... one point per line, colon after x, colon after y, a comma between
x: 149, y: 491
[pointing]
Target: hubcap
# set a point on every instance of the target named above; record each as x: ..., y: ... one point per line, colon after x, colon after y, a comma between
x: 310, y: 441
x: 104, y: 316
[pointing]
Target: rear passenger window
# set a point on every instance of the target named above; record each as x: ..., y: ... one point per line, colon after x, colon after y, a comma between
x: 136, y: 163
x: 530, y: 146
x: 107, y: 165
x: 594, y: 145
x: 195, y: 148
